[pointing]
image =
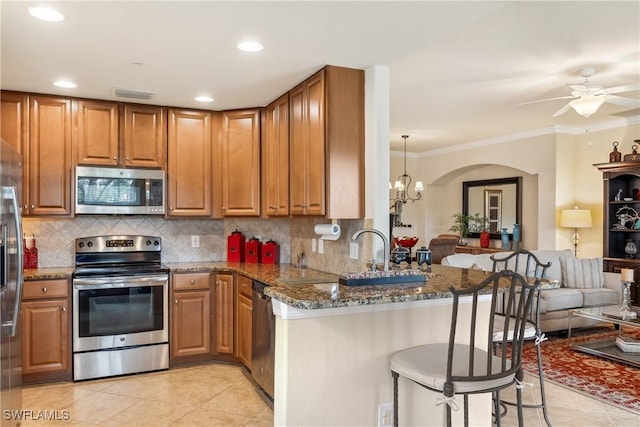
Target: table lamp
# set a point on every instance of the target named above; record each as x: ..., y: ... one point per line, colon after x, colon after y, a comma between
x: 575, y: 218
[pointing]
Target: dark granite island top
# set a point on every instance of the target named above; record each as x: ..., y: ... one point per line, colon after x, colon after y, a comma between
x: 330, y: 294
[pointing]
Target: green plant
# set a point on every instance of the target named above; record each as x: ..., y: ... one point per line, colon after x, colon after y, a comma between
x: 460, y: 225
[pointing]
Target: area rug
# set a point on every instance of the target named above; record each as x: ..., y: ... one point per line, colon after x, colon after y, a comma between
x: 614, y: 383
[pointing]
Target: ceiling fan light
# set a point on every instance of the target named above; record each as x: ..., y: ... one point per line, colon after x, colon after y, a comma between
x: 586, y: 105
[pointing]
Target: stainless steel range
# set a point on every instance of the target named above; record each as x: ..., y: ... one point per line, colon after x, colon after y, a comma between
x: 120, y: 307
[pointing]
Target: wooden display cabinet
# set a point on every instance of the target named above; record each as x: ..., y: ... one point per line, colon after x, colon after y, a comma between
x: 621, y: 180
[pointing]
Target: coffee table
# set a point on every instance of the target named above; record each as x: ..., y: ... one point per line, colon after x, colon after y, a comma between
x: 606, y: 347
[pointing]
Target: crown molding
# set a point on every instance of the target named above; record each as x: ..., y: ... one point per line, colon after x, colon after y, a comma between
x: 552, y: 130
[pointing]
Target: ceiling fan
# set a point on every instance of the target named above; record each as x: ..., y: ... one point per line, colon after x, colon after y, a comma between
x: 587, y: 96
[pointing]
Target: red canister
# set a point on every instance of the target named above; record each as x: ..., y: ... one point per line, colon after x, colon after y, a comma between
x: 271, y: 253
x: 235, y: 247
x: 253, y: 250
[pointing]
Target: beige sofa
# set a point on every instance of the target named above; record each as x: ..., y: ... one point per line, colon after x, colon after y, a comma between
x: 555, y: 303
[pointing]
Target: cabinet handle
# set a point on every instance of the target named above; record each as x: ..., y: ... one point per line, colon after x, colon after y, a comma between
x: 115, y: 158
x: 33, y: 206
x: 64, y: 308
x: 191, y: 282
x: 44, y: 290
x: 244, y: 285
x: 273, y: 207
x: 128, y: 158
x: 249, y: 309
x: 175, y: 302
x: 170, y: 208
x: 224, y: 208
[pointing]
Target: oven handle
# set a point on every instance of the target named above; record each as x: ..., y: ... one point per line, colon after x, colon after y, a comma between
x: 119, y: 282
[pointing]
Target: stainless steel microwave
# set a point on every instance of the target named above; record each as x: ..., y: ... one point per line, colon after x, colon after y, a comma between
x: 108, y: 191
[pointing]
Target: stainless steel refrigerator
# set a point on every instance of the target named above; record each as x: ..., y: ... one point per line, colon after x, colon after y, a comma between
x: 11, y: 279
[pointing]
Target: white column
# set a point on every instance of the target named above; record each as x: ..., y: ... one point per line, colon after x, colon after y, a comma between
x: 377, y: 149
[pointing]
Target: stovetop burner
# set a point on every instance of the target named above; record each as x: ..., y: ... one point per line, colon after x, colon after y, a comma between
x: 118, y: 255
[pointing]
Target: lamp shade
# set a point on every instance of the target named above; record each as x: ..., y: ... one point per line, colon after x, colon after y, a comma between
x: 575, y: 218
x: 586, y: 105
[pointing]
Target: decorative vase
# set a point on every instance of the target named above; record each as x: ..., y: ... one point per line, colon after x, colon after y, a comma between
x: 630, y: 249
x: 505, y: 239
x: 515, y: 245
x: 485, y: 239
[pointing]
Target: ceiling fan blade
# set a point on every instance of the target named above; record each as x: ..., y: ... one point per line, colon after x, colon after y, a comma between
x: 548, y: 99
x: 620, y: 100
x: 625, y: 88
x: 561, y: 111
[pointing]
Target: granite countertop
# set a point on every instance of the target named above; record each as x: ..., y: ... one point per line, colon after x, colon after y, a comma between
x: 314, y: 289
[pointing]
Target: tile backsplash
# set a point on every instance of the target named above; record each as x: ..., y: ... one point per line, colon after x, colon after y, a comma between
x: 55, y: 238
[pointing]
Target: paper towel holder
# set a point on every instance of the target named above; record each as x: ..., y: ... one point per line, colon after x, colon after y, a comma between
x: 327, y: 231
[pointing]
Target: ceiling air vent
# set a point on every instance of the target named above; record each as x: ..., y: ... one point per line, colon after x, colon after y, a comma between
x: 135, y: 94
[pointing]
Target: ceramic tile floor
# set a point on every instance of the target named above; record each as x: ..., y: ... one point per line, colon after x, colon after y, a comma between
x: 566, y: 409
x: 202, y: 395
x: 223, y: 395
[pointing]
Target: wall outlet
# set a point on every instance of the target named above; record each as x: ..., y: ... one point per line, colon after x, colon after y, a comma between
x: 353, y: 250
x: 195, y: 241
x: 385, y: 414
x: 314, y: 245
x: 320, y: 246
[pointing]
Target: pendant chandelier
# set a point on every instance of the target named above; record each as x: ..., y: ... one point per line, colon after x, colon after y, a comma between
x: 403, y: 184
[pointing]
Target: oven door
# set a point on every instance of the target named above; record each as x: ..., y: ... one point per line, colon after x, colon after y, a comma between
x: 120, y: 311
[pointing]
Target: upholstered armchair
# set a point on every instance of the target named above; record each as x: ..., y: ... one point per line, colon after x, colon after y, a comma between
x: 442, y: 246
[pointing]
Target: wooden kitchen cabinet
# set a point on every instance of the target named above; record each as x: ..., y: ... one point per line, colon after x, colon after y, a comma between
x: 97, y: 124
x: 46, y: 335
x: 326, y: 140
x: 240, y: 163
x: 14, y: 119
x: 14, y: 126
x: 189, y: 163
x: 224, y: 298
x: 244, y: 310
x: 143, y: 136
x: 275, y: 158
x: 47, y: 190
x: 125, y: 135
x: 190, y: 316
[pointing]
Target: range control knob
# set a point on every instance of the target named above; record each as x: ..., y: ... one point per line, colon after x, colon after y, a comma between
x: 156, y: 243
x: 81, y: 244
x: 148, y: 242
x: 90, y: 244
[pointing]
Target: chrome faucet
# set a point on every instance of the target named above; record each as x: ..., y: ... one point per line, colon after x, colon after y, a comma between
x: 385, y: 242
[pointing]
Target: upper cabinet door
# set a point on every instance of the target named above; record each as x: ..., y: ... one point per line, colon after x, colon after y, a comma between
x: 240, y: 152
x: 275, y: 158
x: 144, y: 135
x: 307, y: 139
x: 14, y: 129
x: 189, y: 163
x: 49, y: 156
x: 97, y: 123
x: 14, y: 120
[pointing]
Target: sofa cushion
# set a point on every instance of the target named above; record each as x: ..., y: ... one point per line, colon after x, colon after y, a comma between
x: 581, y: 273
x: 598, y: 296
x: 560, y: 299
x: 552, y: 256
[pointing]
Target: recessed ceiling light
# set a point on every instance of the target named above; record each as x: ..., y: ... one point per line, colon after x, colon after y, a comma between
x: 250, y: 46
x: 65, y: 84
x: 46, y: 14
x: 204, y: 99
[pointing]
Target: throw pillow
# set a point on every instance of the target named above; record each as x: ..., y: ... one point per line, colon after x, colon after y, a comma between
x: 581, y: 273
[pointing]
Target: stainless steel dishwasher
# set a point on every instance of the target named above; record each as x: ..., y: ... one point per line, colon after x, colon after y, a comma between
x: 263, y: 340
